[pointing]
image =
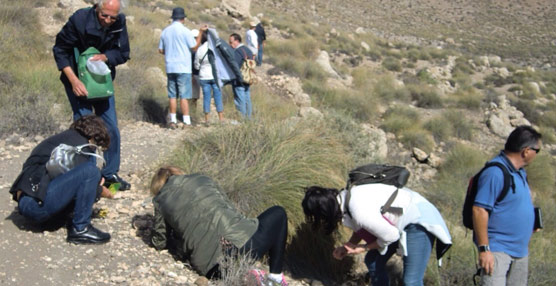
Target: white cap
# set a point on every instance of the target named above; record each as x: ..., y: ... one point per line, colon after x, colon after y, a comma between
x: 195, y: 32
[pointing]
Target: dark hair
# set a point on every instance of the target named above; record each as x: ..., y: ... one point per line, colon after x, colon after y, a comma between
x: 320, y: 206
x: 92, y: 127
x: 204, y: 36
x: 236, y: 37
x: 522, y: 137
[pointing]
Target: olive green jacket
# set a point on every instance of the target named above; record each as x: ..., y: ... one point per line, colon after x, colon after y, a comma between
x: 200, y: 214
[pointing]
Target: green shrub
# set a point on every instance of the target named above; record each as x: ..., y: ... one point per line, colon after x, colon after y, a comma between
x: 388, y: 89
x: 399, y: 119
x: 530, y: 110
x: 425, y: 96
x: 392, y: 64
x: 469, y: 98
x: 417, y: 137
x: 549, y: 118
x: 540, y: 174
x: 425, y: 77
x: 462, y: 127
x: 440, y: 128
x: 548, y: 135
x: 260, y: 164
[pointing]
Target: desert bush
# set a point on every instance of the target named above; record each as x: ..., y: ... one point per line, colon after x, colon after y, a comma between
x: 424, y: 76
x: 549, y: 118
x: 498, y: 81
x: 440, y: 129
x: 399, y: 119
x: 462, y: 127
x: 469, y: 98
x: 529, y: 109
x: 264, y: 163
x: 234, y: 268
x: 392, y: 64
x: 540, y: 174
x: 425, y: 96
x: 548, y: 134
x: 417, y: 137
x: 387, y: 89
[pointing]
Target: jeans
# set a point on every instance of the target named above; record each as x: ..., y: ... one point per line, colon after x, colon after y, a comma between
x: 78, y: 185
x: 259, y: 58
x: 508, y: 271
x: 242, y: 100
x: 207, y: 86
x: 419, y: 247
x: 105, y: 109
x: 179, y: 84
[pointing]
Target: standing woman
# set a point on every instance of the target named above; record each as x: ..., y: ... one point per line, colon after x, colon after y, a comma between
x: 207, y: 79
x: 411, y: 230
x: 194, y: 211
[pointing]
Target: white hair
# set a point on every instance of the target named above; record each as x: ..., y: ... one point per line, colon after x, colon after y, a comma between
x: 100, y: 3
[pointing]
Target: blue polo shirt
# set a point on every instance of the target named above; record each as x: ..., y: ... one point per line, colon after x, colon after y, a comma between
x: 510, y: 223
x: 176, y: 40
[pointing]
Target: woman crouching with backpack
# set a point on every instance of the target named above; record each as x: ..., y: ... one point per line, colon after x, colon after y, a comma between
x: 193, y: 211
x: 410, y: 224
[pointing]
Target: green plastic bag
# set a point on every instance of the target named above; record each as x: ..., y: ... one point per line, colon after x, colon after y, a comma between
x: 98, y: 86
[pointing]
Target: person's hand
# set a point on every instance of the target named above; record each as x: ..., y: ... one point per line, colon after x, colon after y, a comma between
x: 106, y: 193
x: 486, y: 261
x: 99, y: 57
x: 339, y: 252
x: 204, y: 28
x: 78, y: 87
x: 354, y: 249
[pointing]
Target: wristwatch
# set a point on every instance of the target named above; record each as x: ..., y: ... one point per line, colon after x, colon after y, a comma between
x: 484, y: 248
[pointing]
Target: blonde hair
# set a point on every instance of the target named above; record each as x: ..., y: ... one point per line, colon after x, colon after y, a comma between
x: 161, y: 177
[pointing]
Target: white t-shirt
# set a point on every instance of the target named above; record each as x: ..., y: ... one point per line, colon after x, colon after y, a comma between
x: 251, y: 41
x: 204, y: 67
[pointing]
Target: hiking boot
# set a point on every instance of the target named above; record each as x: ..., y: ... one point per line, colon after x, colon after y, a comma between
x: 124, y: 186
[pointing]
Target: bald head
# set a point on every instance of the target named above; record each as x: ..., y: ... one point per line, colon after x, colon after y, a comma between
x: 107, y: 12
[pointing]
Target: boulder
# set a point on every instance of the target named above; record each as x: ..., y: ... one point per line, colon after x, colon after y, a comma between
x: 360, y: 30
x: 420, y: 155
x: 323, y: 60
x: 237, y: 8
x: 308, y: 112
x: 365, y: 46
x: 378, y: 142
x: 502, y: 72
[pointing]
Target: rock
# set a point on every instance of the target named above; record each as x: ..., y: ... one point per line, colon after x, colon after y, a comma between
x: 316, y: 283
x: 502, y: 72
x: 450, y: 41
x: 378, y: 146
x: 117, y: 279
x: 360, y: 30
x: 420, y: 155
x: 237, y: 8
x: 365, y: 46
x: 72, y: 4
x: 202, y: 281
x: 323, y: 60
x: 310, y: 112
x: 333, y: 32
x: 434, y: 161
x: 498, y: 126
x: 493, y: 60
x: 483, y: 61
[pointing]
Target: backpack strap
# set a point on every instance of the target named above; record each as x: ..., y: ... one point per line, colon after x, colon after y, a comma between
x: 80, y: 151
x: 384, y: 209
x: 508, y: 179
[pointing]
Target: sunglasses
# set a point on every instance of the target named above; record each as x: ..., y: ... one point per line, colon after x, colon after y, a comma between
x: 114, y: 18
x: 537, y: 150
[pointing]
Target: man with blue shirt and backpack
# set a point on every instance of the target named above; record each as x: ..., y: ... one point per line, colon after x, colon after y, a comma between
x: 503, y: 226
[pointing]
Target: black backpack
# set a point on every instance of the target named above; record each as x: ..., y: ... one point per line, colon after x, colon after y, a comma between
x: 472, y: 187
x: 378, y: 174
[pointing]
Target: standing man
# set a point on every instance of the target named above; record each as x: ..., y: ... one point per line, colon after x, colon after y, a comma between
x: 502, y: 229
x: 261, y: 38
x: 242, y: 94
x: 251, y: 38
x: 103, y: 27
x: 176, y: 44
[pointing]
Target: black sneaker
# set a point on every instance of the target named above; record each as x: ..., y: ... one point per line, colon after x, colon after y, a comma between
x: 124, y: 186
x: 89, y: 235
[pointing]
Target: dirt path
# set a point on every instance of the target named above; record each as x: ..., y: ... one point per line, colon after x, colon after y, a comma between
x: 32, y: 255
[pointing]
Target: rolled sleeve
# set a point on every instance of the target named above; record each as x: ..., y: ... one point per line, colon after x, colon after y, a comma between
x: 490, y: 185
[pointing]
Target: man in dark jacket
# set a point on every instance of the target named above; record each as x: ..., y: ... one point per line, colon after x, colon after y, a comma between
x: 103, y: 27
x: 261, y: 37
x: 242, y: 94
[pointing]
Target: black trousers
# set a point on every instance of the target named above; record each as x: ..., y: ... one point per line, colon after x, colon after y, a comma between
x: 270, y: 238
